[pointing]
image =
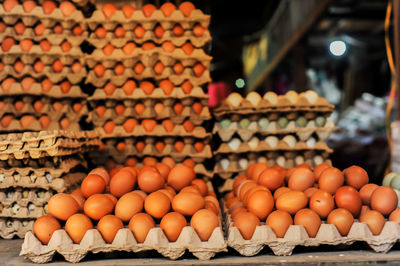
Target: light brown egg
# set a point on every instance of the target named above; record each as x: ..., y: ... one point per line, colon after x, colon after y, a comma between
x: 148, y: 10
x: 322, y: 203
x: 301, y: 179
x: 139, y: 31
x: 48, y: 7
x: 65, y: 87
x: 246, y: 222
x: 77, y: 226
x: 168, y: 8
x: 157, y: 204
x: 109, y: 226
x: 201, y: 185
x: 128, y: 205
x: 279, y: 221
x: 119, y: 32
x: 109, y: 10
x: 62, y: 206
x: 168, y: 161
x: 395, y: 216
x: 374, y: 220
x: 129, y: 87
x: 139, y: 68
x: 150, y: 181
x: 366, y: 192
x: 187, y: 203
x: 198, y: 69
x: 186, y: 8
x: 128, y: 11
x: 28, y: 5
x: 159, y: 31
x: 178, y: 30
x: 172, y: 224
x: 163, y: 169
x: 291, y: 201
x: 342, y: 219
x: 261, y: 203
x: 178, y: 68
x: 93, y: 184
x: 97, y: 206
x: 384, y: 200
x: 204, y: 222
x: 140, y: 225
x: 309, y: 219
x: 330, y: 180
x: 355, y: 176
x: 271, y: 179
x: 310, y: 191
x: 79, y: 199
x: 168, y: 46
x: 100, y: 33
x: 348, y: 198
x: 122, y: 182
x: 130, y: 125
x: 256, y: 170
x: 187, y: 87
x: 44, y: 227
x: 180, y: 176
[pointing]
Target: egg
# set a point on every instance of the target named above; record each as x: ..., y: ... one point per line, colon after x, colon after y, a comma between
x: 309, y: 219
x: 112, y: 198
x: 395, y: 216
x: 187, y: 203
x: 6, y: 120
x: 99, y: 70
x: 139, y: 31
x: 108, y: 49
x: 311, y: 96
x: 301, y: 179
x: 7, y: 83
x: 39, y: 29
x: 192, y: 189
x: 280, y: 191
x: 319, y: 169
x: 322, y: 203
x: 180, y: 176
x: 198, y: 69
x: 65, y: 87
x: 48, y: 7
x: 100, y: 33
x: 150, y: 180
x: 189, y: 162
x: 58, y: 29
x: 186, y: 8
x: 279, y: 221
x: 159, y: 68
x: 256, y: 171
x: 167, y: 9
x: 292, y: 96
x: 384, y: 200
x: 374, y: 220
x: 119, y: 69
x: 168, y: 161
x: 109, y: 10
x: 178, y: 30
x: 342, y: 219
x: 355, y: 176
x: 388, y: 179
x: 93, y: 184
x: 131, y: 161
x: 348, y: 198
x: 330, y: 180
x: 198, y: 30
x: 119, y: 32
x: 128, y: 48
x: 62, y: 206
x: 129, y: 125
x: 97, y: 206
x: 129, y: 87
x: 291, y: 201
x: 108, y: 226
x: 172, y: 225
x: 188, y: 126
x: 109, y: 89
x: 254, y: 98
x: 128, y: 11
x: 204, y: 222
x: 213, y: 200
x: 140, y: 225
x: 366, y: 192
x: 19, y: 66
x: 77, y: 30
x: 79, y: 199
x: 201, y: 185
x: 27, y: 83
x: 28, y: 5
x: 157, y: 204
x: 44, y: 227
x: 186, y: 86
x: 260, y: 203
x: 148, y: 10
x: 234, y: 99
x: 246, y: 223
x: 77, y: 226
x: 128, y: 205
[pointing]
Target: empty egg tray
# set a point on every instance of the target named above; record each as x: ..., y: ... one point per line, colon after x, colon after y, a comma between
x: 10, y: 227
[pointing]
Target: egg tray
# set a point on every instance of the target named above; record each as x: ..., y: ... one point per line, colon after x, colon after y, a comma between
x: 158, y: 131
x: 37, y: 15
x: 148, y: 23
x: 283, y: 105
x: 148, y: 72
x: 24, y: 197
x: 16, y: 211
x: 66, y: 73
x: 10, y: 227
x: 16, y: 126
x: 148, y: 58
x: 296, y: 235
x: 198, y: 42
x: 16, y: 89
x: 43, y: 162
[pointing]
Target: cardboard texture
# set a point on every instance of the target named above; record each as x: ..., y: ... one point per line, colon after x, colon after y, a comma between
x: 29, y: 212
x: 43, y: 162
x: 24, y: 198
x: 296, y: 235
x: 10, y: 227
x: 35, y: 89
x: 35, y: 125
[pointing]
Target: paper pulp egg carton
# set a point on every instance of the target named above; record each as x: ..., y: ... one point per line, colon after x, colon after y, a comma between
x: 148, y: 57
x: 65, y: 74
x: 35, y: 125
x: 296, y: 235
x: 43, y: 162
x: 188, y: 36
x: 148, y: 23
x: 10, y: 227
x: 37, y: 15
x: 29, y: 212
x: 148, y: 72
x: 36, y: 90
x: 24, y: 198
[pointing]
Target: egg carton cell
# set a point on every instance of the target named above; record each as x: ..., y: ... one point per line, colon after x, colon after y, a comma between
x: 29, y: 212
x: 24, y: 197
x: 10, y: 227
x: 48, y: 72
x: 100, y: 81
x: 197, y: 41
x: 296, y: 235
x: 37, y: 14
x: 10, y: 124
x: 43, y: 162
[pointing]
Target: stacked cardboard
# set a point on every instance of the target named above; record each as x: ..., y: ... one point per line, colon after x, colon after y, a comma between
x: 286, y: 130
x: 150, y: 98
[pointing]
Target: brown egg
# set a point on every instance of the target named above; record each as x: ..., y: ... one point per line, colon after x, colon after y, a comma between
x: 188, y: 126
x: 366, y: 192
x: 168, y: 161
x: 93, y: 184
x: 6, y: 120
x: 67, y: 8
x: 192, y: 189
x: 99, y: 70
x: 159, y: 108
x: 27, y: 83
x: 122, y: 182
x: 139, y: 31
x: 395, y: 216
x: 19, y: 105
x: 128, y: 11
x: 271, y: 179
x: 348, y: 198
x: 148, y: 10
x: 7, y: 83
x: 261, y: 203
x: 355, y: 176
x: 62, y: 206
x: 65, y: 87
x: 322, y: 203
x: 19, y: 66
x: 159, y: 146
x: 45, y: 45
x: 197, y: 108
x: 129, y: 87
x: 168, y: 125
x: 186, y: 8
x: 140, y: 225
x: 159, y: 68
x: 148, y: 46
x: 330, y: 180
x: 130, y: 125
x: 79, y: 199
x: 57, y: 106
x: 157, y: 204
x: 26, y: 44
x: 39, y: 29
x: 374, y: 220
x: 97, y: 206
x: 342, y: 219
x: 172, y: 224
x: 141, y: 193
x: 178, y: 30
x: 77, y: 107
x: 109, y: 10
x: 301, y: 179
x: 168, y: 8
x: 281, y: 191
x: 310, y: 191
x: 237, y: 182
x: 163, y: 169
x: 150, y: 181
x: 128, y: 205
x: 58, y: 66
x: 167, y: 86
x: 140, y: 146
x: 319, y: 169
x: 58, y: 29
x: 231, y: 202
x: 108, y: 49
x: 77, y: 226
x: 309, y: 219
x: 201, y: 185
x: 178, y: 68
x: 254, y: 171
x: 246, y: 222
x: 159, y: 31
x: 44, y: 121
x: 188, y: 48
x: 131, y: 161
x: 384, y: 200
x: 100, y: 33
x: 364, y: 209
x: 187, y: 87
x: 204, y: 222
x: 147, y: 87
x: 180, y: 176
x: 198, y: 146
x: 119, y: 32
x: 19, y: 28
x: 238, y: 210
x: 187, y: 203
x: 168, y: 193
x: 28, y: 5
x: 168, y: 46
x: 291, y: 201
x: 189, y: 162
x: 198, y: 69
x: 48, y: 7
x: 44, y: 227
x: 279, y: 221
x: 66, y: 46
x: 112, y: 198
x: 139, y: 68
x: 119, y: 69
x: 244, y: 187
x: 109, y: 226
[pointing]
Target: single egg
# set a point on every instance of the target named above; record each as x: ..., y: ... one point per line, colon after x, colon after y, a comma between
x: 128, y: 205
x: 108, y: 226
x: 140, y: 225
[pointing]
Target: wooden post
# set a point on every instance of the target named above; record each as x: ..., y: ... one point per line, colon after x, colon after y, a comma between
x: 396, y: 29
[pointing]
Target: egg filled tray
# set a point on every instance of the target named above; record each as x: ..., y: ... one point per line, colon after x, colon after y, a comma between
x: 22, y: 197
x: 42, y: 162
x: 124, y: 240
x: 10, y: 227
x: 35, y: 89
x: 296, y: 235
x: 35, y: 124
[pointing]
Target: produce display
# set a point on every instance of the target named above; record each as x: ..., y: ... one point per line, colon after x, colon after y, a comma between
x: 271, y: 206
x: 285, y: 130
x: 163, y: 207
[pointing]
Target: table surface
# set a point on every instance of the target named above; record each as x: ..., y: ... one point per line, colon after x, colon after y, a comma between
x: 357, y: 254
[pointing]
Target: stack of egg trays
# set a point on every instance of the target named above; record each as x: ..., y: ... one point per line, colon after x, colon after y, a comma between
x: 129, y: 136
x: 34, y: 95
x: 33, y: 167
x: 281, y: 132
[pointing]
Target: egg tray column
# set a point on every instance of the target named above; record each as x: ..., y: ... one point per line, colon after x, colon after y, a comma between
x: 33, y: 167
x: 149, y: 101
x: 41, y: 68
x: 278, y: 130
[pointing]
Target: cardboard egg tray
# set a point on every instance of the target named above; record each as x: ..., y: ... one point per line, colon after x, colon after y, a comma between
x: 158, y: 131
x: 10, y: 227
x: 168, y: 73
x: 66, y: 73
x: 43, y: 162
x: 35, y: 125
x: 303, y: 133
x: 37, y: 15
x: 296, y: 235
x: 24, y: 197
x: 198, y: 42
x: 148, y: 23
x: 36, y: 90
x: 148, y: 57
x: 29, y: 212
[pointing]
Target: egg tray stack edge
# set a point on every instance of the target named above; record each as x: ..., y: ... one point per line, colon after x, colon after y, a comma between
x: 296, y: 235
x: 10, y: 227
